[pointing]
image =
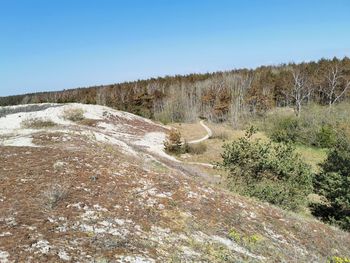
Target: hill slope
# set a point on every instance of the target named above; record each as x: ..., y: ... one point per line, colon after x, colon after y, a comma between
x: 101, y: 189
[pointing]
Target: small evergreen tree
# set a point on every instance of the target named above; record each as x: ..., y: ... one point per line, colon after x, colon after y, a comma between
x: 333, y: 183
x: 286, y: 130
x: 271, y: 172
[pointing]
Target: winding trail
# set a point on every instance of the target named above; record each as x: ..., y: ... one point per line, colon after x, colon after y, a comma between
x: 206, y: 137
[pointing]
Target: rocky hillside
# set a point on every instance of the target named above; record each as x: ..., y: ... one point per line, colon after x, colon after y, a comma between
x: 84, y: 183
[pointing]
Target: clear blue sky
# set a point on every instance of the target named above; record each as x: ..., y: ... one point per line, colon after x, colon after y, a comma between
x: 61, y: 44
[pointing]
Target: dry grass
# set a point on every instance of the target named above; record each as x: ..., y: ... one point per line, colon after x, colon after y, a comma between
x: 198, y: 148
x: 54, y: 194
x: 88, y: 122
x: 284, y: 111
x: 212, y: 154
x: 73, y: 114
x: 227, y: 132
x: 37, y: 123
x: 221, y: 135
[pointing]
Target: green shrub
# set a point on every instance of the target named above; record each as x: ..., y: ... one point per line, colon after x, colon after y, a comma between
x: 234, y: 235
x: 333, y: 183
x: 326, y: 136
x: 285, y: 130
x: 336, y: 259
x: 271, y: 172
x: 243, y: 239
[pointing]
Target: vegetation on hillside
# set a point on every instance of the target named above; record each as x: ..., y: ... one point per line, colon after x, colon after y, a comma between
x: 333, y: 183
x: 310, y: 151
x: 316, y: 127
x: 271, y: 172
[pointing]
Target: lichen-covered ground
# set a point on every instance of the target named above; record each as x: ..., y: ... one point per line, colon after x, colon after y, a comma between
x: 103, y: 190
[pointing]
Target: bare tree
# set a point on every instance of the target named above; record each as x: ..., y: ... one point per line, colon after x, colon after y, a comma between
x: 238, y: 87
x: 335, y: 85
x: 300, y: 91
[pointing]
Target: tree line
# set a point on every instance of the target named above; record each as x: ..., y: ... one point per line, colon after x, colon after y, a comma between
x: 219, y: 96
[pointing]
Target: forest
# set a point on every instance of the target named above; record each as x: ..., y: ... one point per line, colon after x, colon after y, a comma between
x: 219, y: 97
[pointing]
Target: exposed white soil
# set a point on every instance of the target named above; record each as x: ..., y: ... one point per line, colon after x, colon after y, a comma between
x: 233, y: 246
x: 19, y: 141
x: 113, y: 127
x: 117, y: 133
x: 154, y: 142
x: 3, y: 256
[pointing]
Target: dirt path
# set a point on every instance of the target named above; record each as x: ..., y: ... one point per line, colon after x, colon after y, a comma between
x: 206, y: 137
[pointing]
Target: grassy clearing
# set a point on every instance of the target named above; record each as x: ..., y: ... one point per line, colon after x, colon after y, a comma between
x: 190, y: 131
x: 226, y: 132
x: 312, y: 156
x: 212, y: 154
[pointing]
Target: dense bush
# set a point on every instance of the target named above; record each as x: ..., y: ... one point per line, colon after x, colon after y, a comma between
x: 316, y: 127
x: 333, y: 183
x: 326, y: 136
x: 285, y: 130
x: 268, y: 171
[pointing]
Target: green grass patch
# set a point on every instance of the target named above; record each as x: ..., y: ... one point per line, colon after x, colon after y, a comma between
x: 312, y: 155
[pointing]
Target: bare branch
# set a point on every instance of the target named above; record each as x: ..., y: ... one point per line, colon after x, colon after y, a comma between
x: 334, y: 87
x: 343, y: 92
